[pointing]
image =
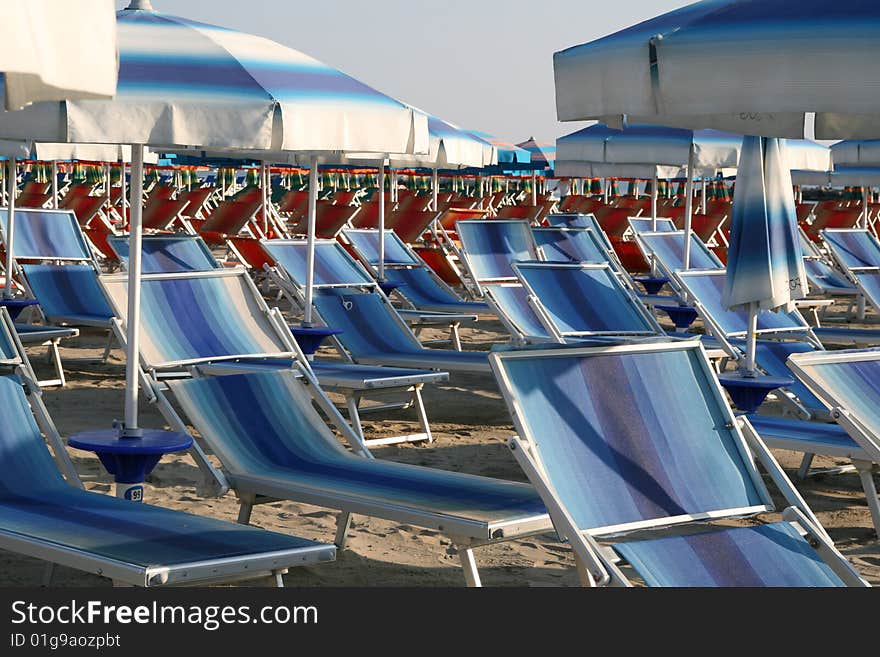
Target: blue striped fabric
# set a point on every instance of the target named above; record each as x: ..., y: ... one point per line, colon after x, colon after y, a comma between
x: 708, y: 288
x: 264, y: 426
x: 584, y: 300
x: 333, y: 265
x: 35, y: 502
x: 853, y: 385
x: 513, y: 302
x: 46, y: 235
x: 853, y: 248
x: 192, y: 317
x: 490, y: 247
x: 425, y: 293
x: 572, y: 221
x: 869, y: 283
x: 668, y: 249
x: 780, y: 428
x: 824, y: 278
x: 168, y: 254
x: 69, y: 293
x: 641, y: 225
x: 370, y: 332
x: 768, y: 555
x: 617, y: 447
x: 569, y: 245
x: 366, y: 242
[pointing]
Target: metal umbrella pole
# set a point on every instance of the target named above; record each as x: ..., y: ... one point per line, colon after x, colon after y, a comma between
x: 132, y: 349
x: 10, y: 224
x: 310, y: 262
x: 689, y: 208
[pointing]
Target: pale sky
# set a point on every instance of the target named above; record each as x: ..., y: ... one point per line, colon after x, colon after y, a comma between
x: 481, y: 64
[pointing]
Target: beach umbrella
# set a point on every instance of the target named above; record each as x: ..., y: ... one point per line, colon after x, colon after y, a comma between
x: 543, y: 152
x: 39, y: 60
x: 595, y: 186
x: 765, y: 268
x: 767, y: 68
x: 189, y: 84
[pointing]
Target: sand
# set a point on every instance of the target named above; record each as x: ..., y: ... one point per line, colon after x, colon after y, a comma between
x: 471, y: 425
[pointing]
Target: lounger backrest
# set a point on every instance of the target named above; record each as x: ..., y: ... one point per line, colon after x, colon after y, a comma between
x: 366, y: 320
x: 168, y: 254
x: 849, y: 380
x: 420, y: 287
x: 512, y: 302
x: 490, y: 247
x: 257, y: 423
x: 854, y: 249
x: 47, y: 235
x: 668, y: 249
x: 707, y: 288
x: 869, y: 284
x: 569, y: 245
x: 333, y: 264
x: 366, y: 243
x: 585, y: 299
x: 647, y: 225
x: 630, y: 436
x: 28, y: 470
x: 68, y: 291
x: 205, y: 316
x: 580, y: 221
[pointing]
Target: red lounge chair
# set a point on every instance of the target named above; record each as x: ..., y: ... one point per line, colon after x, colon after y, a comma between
x: 250, y: 253
x: 411, y: 224
x: 630, y: 256
x: 228, y: 219
x: 198, y: 201
x: 329, y: 220
x: 33, y: 200
x: 614, y: 221
x: 160, y: 213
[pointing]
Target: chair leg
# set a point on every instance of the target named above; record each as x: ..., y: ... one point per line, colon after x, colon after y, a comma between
x: 804, y: 471
x: 455, y: 336
x: 469, y: 565
x: 343, y: 523
x: 866, y: 474
x: 278, y: 579
x: 419, y: 403
x: 353, y: 403
x: 108, y: 348
x: 244, y: 511
x: 55, y: 358
x: 583, y: 573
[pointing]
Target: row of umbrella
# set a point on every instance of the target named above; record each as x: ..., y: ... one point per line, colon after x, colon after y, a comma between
x: 185, y: 86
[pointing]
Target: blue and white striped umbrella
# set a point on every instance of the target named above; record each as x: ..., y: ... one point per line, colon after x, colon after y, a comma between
x: 188, y: 84
x: 765, y: 266
x: 753, y: 67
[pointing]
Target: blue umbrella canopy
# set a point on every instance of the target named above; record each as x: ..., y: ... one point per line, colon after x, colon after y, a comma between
x: 756, y: 67
x: 186, y: 83
x: 764, y: 262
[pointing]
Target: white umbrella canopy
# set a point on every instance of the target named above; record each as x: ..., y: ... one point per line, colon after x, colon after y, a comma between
x: 53, y: 50
x: 183, y: 83
x: 754, y: 67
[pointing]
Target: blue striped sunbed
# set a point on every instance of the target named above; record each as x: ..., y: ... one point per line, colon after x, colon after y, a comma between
x: 584, y: 300
x: 489, y: 248
x: 511, y: 303
x: 848, y: 383
x: 647, y: 225
x: 419, y: 285
x: 612, y: 454
x: 373, y: 334
x: 47, y: 235
x: 69, y: 294
x: 218, y: 322
x: 569, y: 245
x: 168, y: 254
x: 666, y: 249
x: 579, y: 221
x: 857, y: 252
x: 42, y: 515
x: 274, y: 445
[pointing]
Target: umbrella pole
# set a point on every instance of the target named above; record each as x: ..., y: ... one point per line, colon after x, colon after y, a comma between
x: 435, y: 185
x: 54, y: 185
x: 703, y: 196
x: 10, y: 225
x: 654, y: 202
x: 689, y: 209
x: 865, y: 207
x: 124, y: 195
x: 751, y: 339
x: 534, y: 187
x: 310, y: 263
x: 132, y: 349
x: 382, y: 221
x: 265, y: 199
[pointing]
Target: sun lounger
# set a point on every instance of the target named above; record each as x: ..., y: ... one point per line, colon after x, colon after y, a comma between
x: 216, y: 322
x: 44, y: 516
x: 510, y: 301
x: 857, y: 252
x: 489, y: 248
x: 274, y: 445
x: 613, y: 455
x: 329, y: 220
x: 168, y: 254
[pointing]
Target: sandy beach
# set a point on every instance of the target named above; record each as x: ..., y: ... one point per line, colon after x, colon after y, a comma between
x: 471, y: 425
